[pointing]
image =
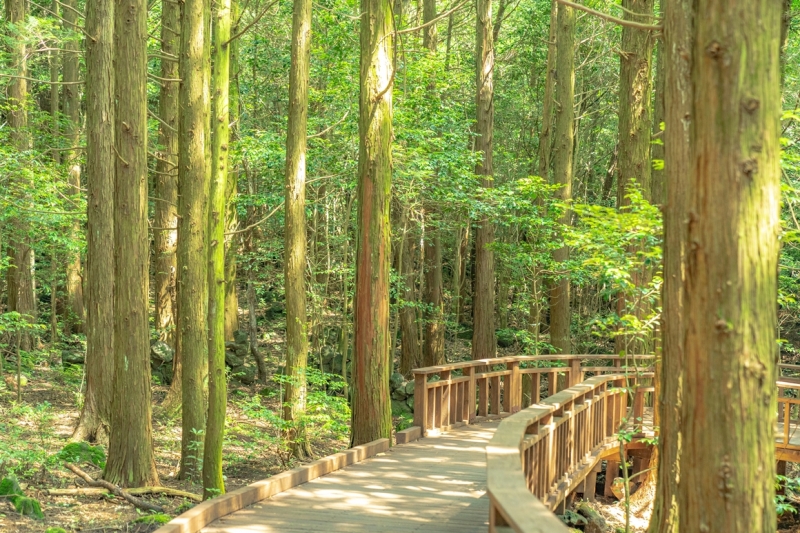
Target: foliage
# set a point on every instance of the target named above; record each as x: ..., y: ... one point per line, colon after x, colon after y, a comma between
x: 10, y: 490
x: 153, y: 519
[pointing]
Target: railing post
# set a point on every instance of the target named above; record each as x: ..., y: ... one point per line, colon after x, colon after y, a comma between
x: 515, y: 388
x: 444, y: 409
x: 575, y: 374
x: 470, y: 415
x: 421, y: 402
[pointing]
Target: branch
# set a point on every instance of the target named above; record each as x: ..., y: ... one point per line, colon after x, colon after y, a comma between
x: 434, y: 21
x: 115, y: 490
x: 89, y: 491
x: 162, y: 122
x: 37, y: 80
x: 252, y: 23
x: 254, y: 224
x: 609, y: 18
x: 329, y: 128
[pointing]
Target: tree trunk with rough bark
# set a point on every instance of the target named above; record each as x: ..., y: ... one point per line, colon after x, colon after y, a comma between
x: 100, y: 161
x: 294, y: 401
x: 165, y: 206
x: 564, y: 136
x: 193, y: 178
x: 131, y: 462
x: 484, y: 341
x: 372, y: 417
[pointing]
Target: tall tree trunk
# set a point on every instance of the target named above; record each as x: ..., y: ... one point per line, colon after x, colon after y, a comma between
x: 484, y: 342
x: 657, y: 181
x: 213, y: 483
x: 634, y: 165
x: 433, y: 345
x: 232, y: 240
x: 131, y: 462
x: 678, y: 95
x: 372, y: 417
x: 100, y: 157
x: 165, y: 215
x: 74, y: 310
x: 727, y: 423
x: 410, y: 354
x: 560, y: 315
x: 19, y: 275
x: 193, y: 176
x: 294, y: 401
x: 545, y: 136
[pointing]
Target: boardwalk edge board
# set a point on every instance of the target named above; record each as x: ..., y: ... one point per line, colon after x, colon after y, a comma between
x: 203, y: 514
x: 408, y: 435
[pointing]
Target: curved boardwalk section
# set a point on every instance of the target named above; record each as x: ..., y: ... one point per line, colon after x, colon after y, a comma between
x: 436, y: 484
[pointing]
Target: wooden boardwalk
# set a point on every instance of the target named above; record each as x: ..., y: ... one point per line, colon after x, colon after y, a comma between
x: 433, y: 485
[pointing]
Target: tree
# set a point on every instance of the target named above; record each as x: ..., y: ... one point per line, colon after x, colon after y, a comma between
x: 371, y: 405
x: 131, y: 462
x: 294, y: 400
x: 723, y: 185
x: 213, y: 483
x: 100, y: 157
x: 564, y: 137
x: 165, y: 213
x: 72, y: 110
x: 433, y: 346
x: 484, y: 342
x: 193, y: 179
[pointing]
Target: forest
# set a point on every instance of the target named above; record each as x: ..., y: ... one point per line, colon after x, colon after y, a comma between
x: 230, y: 231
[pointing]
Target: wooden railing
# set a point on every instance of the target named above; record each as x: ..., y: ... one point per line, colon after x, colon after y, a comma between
x: 472, y: 391
x: 787, y: 437
x: 539, y: 456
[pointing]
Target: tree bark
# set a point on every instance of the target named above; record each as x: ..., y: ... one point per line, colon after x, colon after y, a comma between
x: 372, y: 417
x: 484, y: 342
x: 74, y: 312
x: 100, y: 161
x: 193, y: 178
x: 545, y: 136
x: 165, y: 214
x: 560, y: 314
x: 213, y: 483
x: 410, y: 352
x: 727, y: 421
x: 131, y: 462
x: 294, y: 401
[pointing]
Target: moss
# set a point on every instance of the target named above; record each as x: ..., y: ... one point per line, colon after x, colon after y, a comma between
x: 83, y: 452
x: 10, y: 486
x: 28, y: 507
x: 55, y: 530
x: 158, y: 518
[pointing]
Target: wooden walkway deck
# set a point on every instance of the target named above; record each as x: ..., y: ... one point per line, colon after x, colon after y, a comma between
x: 433, y: 485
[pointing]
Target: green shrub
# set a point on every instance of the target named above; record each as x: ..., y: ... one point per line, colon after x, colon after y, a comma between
x: 150, y: 519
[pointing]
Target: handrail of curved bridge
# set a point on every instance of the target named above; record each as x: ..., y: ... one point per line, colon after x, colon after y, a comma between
x: 472, y: 391
x: 538, y: 456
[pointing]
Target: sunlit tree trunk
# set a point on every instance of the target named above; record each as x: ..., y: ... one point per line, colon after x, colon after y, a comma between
x: 564, y: 136
x: 19, y: 275
x: 193, y: 176
x: 372, y: 417
x: 635, y: 124
x: 294, y: 401
x: 213, y: 483
x: 100, y: 157
x: 165, y: 213
x: 727, y: 423
x: 410, y: 352
x: 484, y: 342
x: 131, y: 462
x: 232, y: 240
x: 72, y: 110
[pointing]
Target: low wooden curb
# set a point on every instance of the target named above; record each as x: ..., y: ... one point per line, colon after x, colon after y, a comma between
x: 203, y: 514
x: 408, y: 435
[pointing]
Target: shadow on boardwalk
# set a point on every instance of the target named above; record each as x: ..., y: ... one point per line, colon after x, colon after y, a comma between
x: 436, y: 484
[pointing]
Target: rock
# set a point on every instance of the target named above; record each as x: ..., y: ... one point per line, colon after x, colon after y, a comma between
x: 399, y: 394
x: 410, y: 403
x: 244, y: 374
x: 595, y: 523
x: 72, y: 358
x: 161, y: 352
x: 242, y: 351
x: 230, y: 346
x: 396, y: 380
x: 232, y: 360
x: 465, y: 334
x: 241, y: 337
x: 506, y: 338
x: 399, y: 408
x: 410, y: 388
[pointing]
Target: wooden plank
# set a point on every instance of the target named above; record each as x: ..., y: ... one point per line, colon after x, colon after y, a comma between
x: 420, y: 403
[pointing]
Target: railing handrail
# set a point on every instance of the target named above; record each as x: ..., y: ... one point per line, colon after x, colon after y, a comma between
x: 522, y: 358
x: 507, y: 486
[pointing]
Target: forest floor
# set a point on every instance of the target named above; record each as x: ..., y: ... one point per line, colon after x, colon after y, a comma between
x: 34, y: 431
